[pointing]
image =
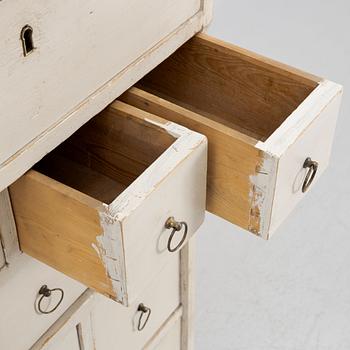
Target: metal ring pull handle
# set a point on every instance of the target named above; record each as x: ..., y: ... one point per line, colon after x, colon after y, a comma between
x: 310, y: 175
x: 45, y: 292
x: 145, y: 314
x: 177, y: 226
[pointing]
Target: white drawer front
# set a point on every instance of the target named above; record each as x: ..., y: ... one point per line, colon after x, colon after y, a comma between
x: 171, y: 341
x: 20, y: 322
x: 73, y: 330
x: 116, y: 326
x: 78, y: 47
x: 309, y: 136
x: 263, y: 119
x: 96, y: 208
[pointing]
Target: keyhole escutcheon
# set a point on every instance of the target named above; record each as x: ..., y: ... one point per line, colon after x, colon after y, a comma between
x: 27, y: 40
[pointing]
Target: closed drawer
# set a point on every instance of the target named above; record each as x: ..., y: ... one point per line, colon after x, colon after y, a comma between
x: 21, y: 323
x: 74, y: 48
x: 73, y: 330
x: 262, y: 119
x: 171, y: 340
x: 161, y: 297
x: 96, y: 208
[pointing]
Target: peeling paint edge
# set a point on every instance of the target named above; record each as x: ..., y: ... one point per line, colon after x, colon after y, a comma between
x: 301, y: 118
x: 171, y: 128
x: 133, y: 196
x: 261, y: 195
x: 109, y: 248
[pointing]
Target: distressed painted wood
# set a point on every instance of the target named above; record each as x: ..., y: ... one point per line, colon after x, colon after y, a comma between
x: 162, y: 296
x: 8, y: 230
x: 207, y: 10
x: 308, y: 132
x: 188, y: 266
x: 114, y: 245
x: 60, y: 46
x: 168, y: 337
x: 42, y: 121
x: 73, y: 330
x: 252, y: 110
x: 70, y: 341
x: 19, y: 286
x: 232, y: 157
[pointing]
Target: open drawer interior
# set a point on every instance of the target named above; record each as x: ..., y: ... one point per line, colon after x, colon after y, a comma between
x: 231, y: 86
x: 96, y: 208
x: 262, y: 119
x: 106, y: 155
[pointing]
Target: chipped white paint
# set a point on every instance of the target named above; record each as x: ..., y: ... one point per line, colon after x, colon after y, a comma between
x: 293, y: 127
x: 8, y: 231
x: 49, y: 133
x: 307, y: 132
x: 171, y: 128
x: 111, y: 252
x: 134, y: 233
x: 261, y: 195
x: 187, y: 141
x: 104, y: 22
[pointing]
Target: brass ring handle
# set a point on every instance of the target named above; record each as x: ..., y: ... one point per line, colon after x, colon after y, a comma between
x: 45, y: 292
x: 177, y: 226
x: 144, y: 311
x: 310, y: 175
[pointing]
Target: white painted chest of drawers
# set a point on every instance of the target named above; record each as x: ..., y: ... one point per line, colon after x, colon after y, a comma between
x: 101, y: 197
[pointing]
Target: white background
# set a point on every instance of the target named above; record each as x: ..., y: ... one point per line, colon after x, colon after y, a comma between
x: 293, y: 292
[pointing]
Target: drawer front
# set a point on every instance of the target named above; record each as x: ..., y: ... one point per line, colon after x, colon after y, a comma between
x: 170, y: 335
x: 69, y: 41
x: 116, y: 327
x: 70, y: 341
x: 261, y: 118
x: 19, y: 287
x: 310, y: 136
x: 101, y: 215
x: 170, y: 341
x: 73, y: 330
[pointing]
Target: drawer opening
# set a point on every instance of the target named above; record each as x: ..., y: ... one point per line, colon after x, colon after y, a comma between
x: 260, y: 118
x: 96, y: 206
x: 107, y: 154
x: 226, y: 84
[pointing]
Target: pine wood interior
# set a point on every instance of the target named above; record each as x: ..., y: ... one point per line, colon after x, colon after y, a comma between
x: 107, y: 154
x: 229, y: 85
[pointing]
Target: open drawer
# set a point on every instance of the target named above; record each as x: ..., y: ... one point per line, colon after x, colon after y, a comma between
x: 97, y: 207
x: 269, y: 126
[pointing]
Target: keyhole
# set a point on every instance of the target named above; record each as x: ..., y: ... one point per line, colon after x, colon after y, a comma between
x: 27, y: 40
